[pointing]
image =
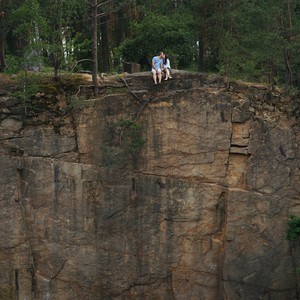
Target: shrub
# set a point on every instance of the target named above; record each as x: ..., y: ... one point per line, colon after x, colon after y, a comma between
x: 124, y: 141
x: 293, y: 231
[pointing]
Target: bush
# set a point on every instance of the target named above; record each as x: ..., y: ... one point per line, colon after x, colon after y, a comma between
x: 14, y: 64
x: 124, y: 141
x: 293, y: 231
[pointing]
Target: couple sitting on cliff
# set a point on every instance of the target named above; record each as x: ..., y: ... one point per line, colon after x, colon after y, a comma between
x: 160, y: 63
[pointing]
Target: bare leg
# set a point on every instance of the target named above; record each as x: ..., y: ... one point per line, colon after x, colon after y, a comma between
x: 159, y: 77
x: 154, y: 77
x: 167, y: 74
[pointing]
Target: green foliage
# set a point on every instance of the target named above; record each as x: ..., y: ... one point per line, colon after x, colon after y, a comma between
x: 14, y: 64
x: 54, y: 38
x: 27, y: 84
x: 29, y: 28
x: 251, y: 40
x: 124, y: 141
x: 28, y: 21
x: 229, y: 56
x: 129, y: 135
x: 262, y: 44
x: 293, y: 231
x: 79, y: 47
x: 28, y: 87
x: 111, y: 155
x: 161, y: 33
x: 29, y: 25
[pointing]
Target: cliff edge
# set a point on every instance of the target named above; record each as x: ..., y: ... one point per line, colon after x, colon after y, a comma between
x: 176, y: 191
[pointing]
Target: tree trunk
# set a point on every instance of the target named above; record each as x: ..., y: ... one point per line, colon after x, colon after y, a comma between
x: 201, y: 65
x: 2, y: 41
x: 289, y: 75
x: 121, y: 26
x: 95, y: 47
x: 104, y: 44
x: 288, y: 55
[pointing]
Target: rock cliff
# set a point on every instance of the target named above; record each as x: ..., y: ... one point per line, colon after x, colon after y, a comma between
x: 198, y: 212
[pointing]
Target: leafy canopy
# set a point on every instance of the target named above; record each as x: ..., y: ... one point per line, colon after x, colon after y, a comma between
x: 170, y: 34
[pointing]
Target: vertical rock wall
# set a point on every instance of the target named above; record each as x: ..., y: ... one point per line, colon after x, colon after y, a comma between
x: 200, y: 213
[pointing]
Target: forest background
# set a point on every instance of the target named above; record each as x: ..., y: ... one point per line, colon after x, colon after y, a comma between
x: 252, y: 40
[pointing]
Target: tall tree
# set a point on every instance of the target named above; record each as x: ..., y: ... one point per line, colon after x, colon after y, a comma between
x: 104, y: 41
x: 29, y: 28
x: 2, y: 39
x: 208, y: 17
x: 59, y: 15
x: 95, y: 44
x: 251, y: 30
x: 97, y: 6
x: 232, y: 36
x: 290, y: 25
x: 173, y: 34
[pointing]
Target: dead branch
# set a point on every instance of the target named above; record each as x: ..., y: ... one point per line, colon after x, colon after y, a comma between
x: 81, y: 60
x: 131, y: 92
x: 141, y: 101
x: 104, y: 3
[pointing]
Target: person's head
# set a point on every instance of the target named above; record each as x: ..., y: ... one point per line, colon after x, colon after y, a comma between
x: 161, y: 54
x: 165, y: 58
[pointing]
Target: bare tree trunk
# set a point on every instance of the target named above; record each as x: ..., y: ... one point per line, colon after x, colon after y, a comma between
x: 2, y: 41
x: 58, y: 54
x: 290, y: 14
x: 288, y: 55
x: 201, y: 50
x: 104, y: 43
x: 95, y: 46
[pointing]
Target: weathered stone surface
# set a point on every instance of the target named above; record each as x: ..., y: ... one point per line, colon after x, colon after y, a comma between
x: 9, y: 101
x: 10, y: 124
x: 199, y: 213
x: 270, y: 167
x: 241, y: 111
x: 181, y: 80
x: 43, y: 141
x: 240, y: 134
x: 256, y: 250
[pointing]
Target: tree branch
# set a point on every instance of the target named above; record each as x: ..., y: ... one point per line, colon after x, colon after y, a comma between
x: 131, y: 92
x: 141, y: 101
x: 77, y: 62
x: 103, y: 3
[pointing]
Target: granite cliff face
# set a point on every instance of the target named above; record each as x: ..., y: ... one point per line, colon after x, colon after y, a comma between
x: 199, y: 213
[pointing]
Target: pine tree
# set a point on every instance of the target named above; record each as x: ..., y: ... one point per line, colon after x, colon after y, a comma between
x: 2, y: 39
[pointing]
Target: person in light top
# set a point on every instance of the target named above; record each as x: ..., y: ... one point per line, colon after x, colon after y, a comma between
x: 157, y: 66
x: 167, y: 66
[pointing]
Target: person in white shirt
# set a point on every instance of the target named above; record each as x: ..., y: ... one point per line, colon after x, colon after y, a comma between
x: 167, y: 67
